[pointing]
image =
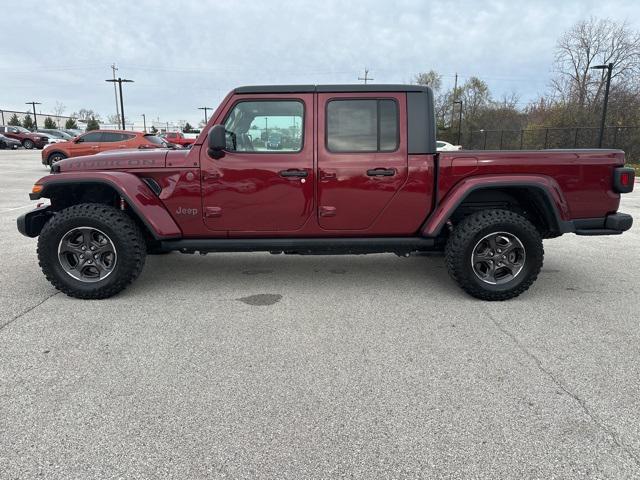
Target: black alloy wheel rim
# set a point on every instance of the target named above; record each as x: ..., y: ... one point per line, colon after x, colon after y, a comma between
x: 87, y: 254
x: 498, y: 258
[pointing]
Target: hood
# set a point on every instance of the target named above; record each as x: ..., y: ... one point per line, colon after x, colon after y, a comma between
x: 115, y: 160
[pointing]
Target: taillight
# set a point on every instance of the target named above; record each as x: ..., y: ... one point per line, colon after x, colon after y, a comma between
x: 623, y: 179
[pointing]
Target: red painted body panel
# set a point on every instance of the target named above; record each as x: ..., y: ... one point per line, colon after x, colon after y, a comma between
x: 244, y: 192
x: 583, y: 177
x: 138, y: 195
x: 348, y: 198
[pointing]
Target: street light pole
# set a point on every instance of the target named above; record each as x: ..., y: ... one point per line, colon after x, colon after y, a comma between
x: 459, y: 102
x: 608, y: 67
x: 120, y: 81
x: 35, y: 118
x: 144, y: 122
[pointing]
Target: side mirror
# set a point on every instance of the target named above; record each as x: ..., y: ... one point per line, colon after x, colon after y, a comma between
x: 217, y: 141
x: 79, y: 140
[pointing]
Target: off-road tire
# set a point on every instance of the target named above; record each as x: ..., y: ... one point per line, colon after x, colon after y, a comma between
x: 464, y: 238
x: 117, y: 225
x: 55, y: 157
x: 28, y: 144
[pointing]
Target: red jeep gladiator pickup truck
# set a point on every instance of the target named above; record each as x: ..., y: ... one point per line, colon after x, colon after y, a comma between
x: 356, y: 171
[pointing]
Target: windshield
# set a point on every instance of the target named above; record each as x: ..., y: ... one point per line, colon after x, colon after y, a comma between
x: 22, y: 130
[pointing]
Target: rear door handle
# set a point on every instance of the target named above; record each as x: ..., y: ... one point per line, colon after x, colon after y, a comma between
x: 294, y: 173
x: 381, y: 172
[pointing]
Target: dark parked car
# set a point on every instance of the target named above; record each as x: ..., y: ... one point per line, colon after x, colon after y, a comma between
x: 6, y: 142
x: 28, y: 139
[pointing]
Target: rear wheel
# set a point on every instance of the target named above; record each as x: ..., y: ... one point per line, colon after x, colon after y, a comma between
x: 91, y: 251
x: 494, y: 254
x: 28, y: 144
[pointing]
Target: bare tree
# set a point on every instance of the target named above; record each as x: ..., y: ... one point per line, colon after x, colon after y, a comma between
x: 58, y: 110
x: 593, y: 42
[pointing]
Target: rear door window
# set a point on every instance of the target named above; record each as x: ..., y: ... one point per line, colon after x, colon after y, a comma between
x: 369, y: 125
x: 92, y: 137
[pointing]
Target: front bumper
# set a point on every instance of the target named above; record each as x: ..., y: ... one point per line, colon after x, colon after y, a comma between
x: 30, y: 224
x: 613, y: 224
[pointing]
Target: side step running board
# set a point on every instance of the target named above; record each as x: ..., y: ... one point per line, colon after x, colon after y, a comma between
x: 306, y: 246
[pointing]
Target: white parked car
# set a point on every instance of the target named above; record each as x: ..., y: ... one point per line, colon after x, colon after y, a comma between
x: 446, y: 146
x: 51, y: 138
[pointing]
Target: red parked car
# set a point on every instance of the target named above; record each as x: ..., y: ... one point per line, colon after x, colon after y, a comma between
x: 356, y: 171
x: 178, y: 138
x: 28, y: 139
x: 97, y: 141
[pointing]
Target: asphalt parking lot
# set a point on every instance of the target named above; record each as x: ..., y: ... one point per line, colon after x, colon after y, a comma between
x: 261, y: 366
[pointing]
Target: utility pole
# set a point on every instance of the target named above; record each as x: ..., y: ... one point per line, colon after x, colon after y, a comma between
x: 459, y: 120
x: 35, y: 118
x: 144, y: 122
x: 120, y: 81
x: 366, y: 77
x: 608, y: 67
x: 206, y: 119
x: 115, y: 92
x: 455, y: 95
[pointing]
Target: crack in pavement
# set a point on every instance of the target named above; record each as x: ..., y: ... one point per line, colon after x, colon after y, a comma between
x: 27, y: 311
x: 582, y: 403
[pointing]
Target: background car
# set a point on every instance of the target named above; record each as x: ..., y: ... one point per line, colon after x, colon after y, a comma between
x: 446, y: 146
x: 51, y: 138
x: 28, y: 139
x: 274, y: 142
x: 177, y: 138
x: 6, y: 142
x: 56, y: 133
x: 74, y: 132
x: 97, y: 141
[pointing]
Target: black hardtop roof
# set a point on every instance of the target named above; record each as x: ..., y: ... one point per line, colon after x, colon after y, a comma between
x: 330, y: 88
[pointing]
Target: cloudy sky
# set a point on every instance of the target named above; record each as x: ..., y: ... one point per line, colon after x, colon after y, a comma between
x: 190, y: 53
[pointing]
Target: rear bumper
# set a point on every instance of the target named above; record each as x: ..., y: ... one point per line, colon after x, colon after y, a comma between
x: 613, y: 224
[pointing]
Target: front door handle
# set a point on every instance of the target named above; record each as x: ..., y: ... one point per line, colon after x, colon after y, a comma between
x: 381, y: 172
x: 294, y: 173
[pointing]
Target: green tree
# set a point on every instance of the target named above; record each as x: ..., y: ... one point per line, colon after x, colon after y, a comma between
x: 71, y: 123
x: 27, y: 122
x: 93, y: 124
x: 187, y: 128
x: 49, y: 123
x: 14, y: 121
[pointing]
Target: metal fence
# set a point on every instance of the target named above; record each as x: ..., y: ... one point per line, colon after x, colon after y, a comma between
x: 625, y: 138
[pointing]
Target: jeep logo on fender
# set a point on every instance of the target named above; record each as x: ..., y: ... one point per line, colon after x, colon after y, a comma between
x: 186, y: 211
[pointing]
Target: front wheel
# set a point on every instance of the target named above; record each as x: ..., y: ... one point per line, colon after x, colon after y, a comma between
x: 55, y: 157
x: 494, y: 254
x: 91, y: 251
x: 28, y: 144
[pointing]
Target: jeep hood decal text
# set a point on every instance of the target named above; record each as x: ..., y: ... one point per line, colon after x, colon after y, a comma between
x: 116, y: 160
